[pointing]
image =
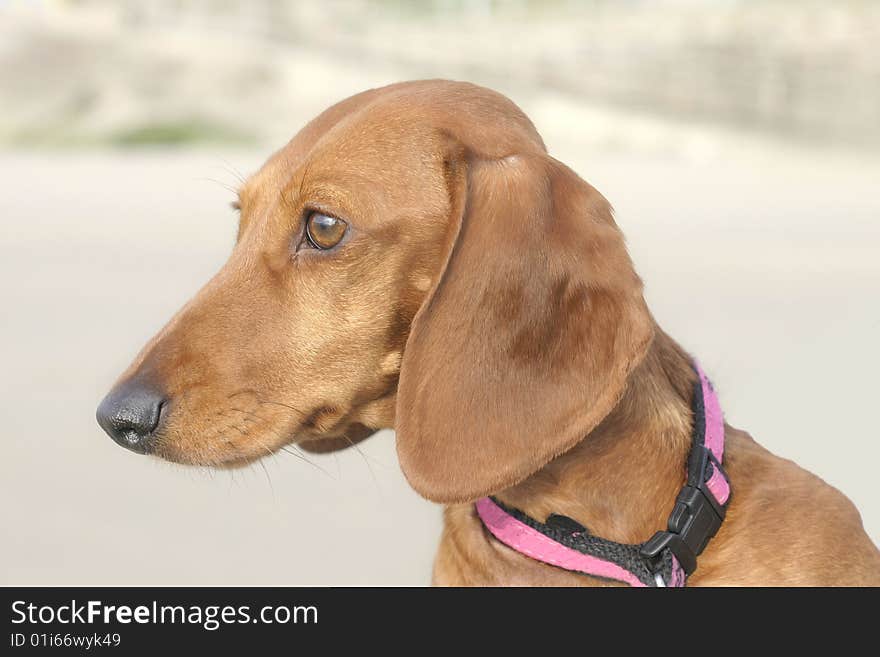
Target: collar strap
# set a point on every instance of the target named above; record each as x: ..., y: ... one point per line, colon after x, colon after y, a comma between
x: 669, y: 556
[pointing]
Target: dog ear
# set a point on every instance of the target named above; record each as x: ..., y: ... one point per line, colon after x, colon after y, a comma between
x: 526, y: 340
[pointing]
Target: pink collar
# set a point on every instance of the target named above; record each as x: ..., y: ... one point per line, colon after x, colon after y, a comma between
x: 668, y: 557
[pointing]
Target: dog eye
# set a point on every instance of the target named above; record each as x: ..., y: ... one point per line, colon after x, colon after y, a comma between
x: 324, y: 231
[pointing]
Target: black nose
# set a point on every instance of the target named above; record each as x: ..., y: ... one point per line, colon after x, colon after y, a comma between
x: 130, y: 415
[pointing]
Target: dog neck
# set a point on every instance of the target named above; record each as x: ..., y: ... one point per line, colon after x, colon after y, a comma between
x: 622, y: 479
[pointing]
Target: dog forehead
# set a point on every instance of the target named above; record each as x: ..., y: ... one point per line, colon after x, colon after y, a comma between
x: 378, y: 136
x: 368, y: 153
x: 396, y: 133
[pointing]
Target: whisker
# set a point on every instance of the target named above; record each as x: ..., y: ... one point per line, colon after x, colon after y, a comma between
x: 364, y: 457
x: 289, y: 449
x: 231, y: 169
x: 274, y: 403
x: 268, y: 451
x: 267, y: 402
x: 268, y: 478
x: 246, y: 412
x: 302, y: 457
x: 229, y: 188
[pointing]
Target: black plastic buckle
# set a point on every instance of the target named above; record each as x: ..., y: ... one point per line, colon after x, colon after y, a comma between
x: 695, y: 519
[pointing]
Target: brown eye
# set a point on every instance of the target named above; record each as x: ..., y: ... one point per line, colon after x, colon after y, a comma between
x: 325, y: 231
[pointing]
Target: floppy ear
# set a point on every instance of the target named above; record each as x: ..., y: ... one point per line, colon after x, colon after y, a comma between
x: 525, y: 342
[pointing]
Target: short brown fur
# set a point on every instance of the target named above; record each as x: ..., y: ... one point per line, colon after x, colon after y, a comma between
x: 484, y: 305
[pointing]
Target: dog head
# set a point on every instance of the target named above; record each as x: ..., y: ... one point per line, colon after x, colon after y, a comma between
x: 413, y: 259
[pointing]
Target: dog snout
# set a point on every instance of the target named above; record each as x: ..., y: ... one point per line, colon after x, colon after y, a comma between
x: 131, y: 414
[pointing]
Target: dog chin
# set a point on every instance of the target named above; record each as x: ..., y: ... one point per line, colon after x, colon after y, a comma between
x: 218, y: 459
x: 235, y: 463
x: 234, y: 459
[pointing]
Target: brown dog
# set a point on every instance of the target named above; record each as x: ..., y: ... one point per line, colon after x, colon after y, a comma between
x: 415, y: 259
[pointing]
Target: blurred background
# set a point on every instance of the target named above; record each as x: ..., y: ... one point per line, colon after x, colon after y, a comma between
x: 738, y: 140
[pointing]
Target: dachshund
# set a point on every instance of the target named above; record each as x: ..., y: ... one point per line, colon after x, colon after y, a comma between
x: 414, y: 259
